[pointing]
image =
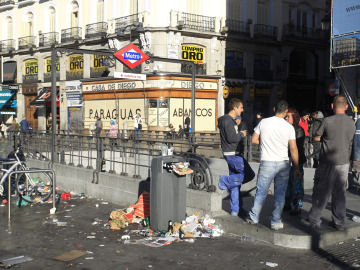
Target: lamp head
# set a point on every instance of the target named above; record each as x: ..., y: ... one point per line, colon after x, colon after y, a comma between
x: 121, y: 32
x: 140, y: 28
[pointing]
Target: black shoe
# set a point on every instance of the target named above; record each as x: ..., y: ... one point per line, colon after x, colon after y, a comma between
x: 338, y: 226
x: 287, y: 207
x: 308, y: 223
x: 296, y: 211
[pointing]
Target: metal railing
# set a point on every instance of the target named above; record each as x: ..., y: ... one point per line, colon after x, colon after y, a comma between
x: 198, y: 22
x: 27, y: 42
x: 71, y: 34
x: 265, y: 30
x: 237, y: 26
x: 7, y: 45
x: 48, y: 39
x: 126, y: 20
x: 129, y: 154
x: 96, y: 30
x: 293, y: 31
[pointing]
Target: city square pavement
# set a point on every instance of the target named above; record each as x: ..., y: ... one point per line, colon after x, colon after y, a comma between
x: 80, y: 224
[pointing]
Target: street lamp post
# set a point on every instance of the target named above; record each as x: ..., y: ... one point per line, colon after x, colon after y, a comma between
x: 139, y: 29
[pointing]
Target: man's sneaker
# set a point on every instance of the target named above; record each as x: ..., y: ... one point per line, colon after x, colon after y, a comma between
x: 308, y: 223
x: 234, y: 214
x: 252, y: 222
x: 278, y: 226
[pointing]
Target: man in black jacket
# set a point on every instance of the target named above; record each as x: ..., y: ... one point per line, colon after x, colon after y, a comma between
x: 239, y: 169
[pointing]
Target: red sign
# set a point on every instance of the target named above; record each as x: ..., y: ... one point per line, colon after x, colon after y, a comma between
x: 131, y: 56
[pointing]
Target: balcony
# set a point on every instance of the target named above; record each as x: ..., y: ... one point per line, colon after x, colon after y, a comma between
x: 26, y: 2
x: 96, y: 30
x: 71, y: 34
x: 291, y: 31
x: 263, y: 30
x: 7, y: 45
x: 27, y: 42
x: 198, y: 22
x: 6, y: 4
x: 238, y: 27
x: 124, y: 21
x: 263, y: 75
x: 48, y: 39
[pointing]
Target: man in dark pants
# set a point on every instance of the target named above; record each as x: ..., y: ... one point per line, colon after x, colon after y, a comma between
x: 335, y: 134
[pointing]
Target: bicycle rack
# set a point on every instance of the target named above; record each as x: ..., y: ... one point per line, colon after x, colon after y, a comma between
x: 29, y: 171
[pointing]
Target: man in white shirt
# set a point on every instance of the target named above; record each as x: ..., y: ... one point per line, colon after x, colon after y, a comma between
x: 274, y: 135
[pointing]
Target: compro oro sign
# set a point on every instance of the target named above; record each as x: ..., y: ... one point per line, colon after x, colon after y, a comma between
x: 193, y: 53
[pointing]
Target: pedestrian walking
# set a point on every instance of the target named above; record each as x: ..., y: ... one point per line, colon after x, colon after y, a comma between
x: 275, y: 136
x: 49, y: 122
x: 187, y: 125
x: 98, y: 127
x: 240, y: 171
x: 295, y: 190
x: 331, y: 176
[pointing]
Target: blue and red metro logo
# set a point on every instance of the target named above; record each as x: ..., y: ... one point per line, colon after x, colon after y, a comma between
x: 131, y: 56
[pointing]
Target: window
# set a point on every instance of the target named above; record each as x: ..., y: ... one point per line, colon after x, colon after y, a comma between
x: 100, y: 10
x: 9, y: 23
x: 75, y: 15
x: 235, y: 10
x: 52, y: 20
x: 262, y: 12
x: 133, y: 7
x: 29, y: 25
x: 194, y: 6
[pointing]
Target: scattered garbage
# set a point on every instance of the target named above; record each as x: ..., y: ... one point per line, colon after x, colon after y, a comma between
x: 125, y: 237
x: 65, y: 196
x: 356, y: 218
x: 52, y: 211
x: 15, y: 260
x: 271, y: 264
x: 71, y: 255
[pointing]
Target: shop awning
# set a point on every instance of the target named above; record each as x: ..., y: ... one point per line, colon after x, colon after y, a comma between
x: 44, y: 98
x: 5, y: 96
x: 9, y: 72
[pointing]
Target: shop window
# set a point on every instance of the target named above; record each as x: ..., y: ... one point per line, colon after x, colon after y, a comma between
x: 158, y: 112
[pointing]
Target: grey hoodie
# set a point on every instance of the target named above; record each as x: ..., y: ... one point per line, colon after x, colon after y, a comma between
x: 229, y: 134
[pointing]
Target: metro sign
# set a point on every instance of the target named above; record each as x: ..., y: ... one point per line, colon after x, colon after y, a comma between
x: 131, y: 56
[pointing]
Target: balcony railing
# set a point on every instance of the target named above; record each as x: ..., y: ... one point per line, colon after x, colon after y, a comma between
x: 297, y: 32
x: 7, y: 45
x: 238, y: 26
x: 48, y: 39
x: 124, y: 21
x: 27, y: 42
x: 26, y: 2
x: 6, y: 4
x: 198, y: 22
x: 96, y: 30
x: 70, y: 34
x: 265, y: 30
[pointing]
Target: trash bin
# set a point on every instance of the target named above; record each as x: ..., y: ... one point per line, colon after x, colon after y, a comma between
x: 167, y: 194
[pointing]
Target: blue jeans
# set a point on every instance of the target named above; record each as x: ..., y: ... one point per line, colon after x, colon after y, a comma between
x: 269, y: 170
x: 137, y: 131
x: 240, y: 172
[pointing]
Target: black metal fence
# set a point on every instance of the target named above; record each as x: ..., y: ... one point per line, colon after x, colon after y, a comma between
x: 198, y: 22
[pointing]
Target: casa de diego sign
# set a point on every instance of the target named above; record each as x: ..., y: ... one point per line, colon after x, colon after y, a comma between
x: 131, y: 56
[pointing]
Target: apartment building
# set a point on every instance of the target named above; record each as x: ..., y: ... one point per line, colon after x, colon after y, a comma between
x: 261, y: 50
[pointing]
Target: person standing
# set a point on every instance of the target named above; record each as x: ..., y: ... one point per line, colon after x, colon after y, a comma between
x: 49, y: 122
x: 240, y: 171
x: 275, y: 136
x: 259, y: 117
x: 98, y: 127
x: 304, y: 122
x: 331, y: 176
x: 2, y: 128
x: 295, y: 190
x: 137, y: 124
x: 316, y: 145
x: 187, y: 125
x: 113, y: 133
x: 24, y: 125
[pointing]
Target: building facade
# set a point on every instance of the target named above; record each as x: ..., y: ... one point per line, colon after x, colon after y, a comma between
x: 261, y: 50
